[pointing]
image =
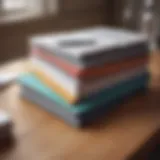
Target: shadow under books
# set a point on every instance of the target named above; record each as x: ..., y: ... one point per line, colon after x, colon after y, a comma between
x: 143, y: 102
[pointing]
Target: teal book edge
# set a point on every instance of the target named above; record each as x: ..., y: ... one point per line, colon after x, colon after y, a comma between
x: 103, y: 98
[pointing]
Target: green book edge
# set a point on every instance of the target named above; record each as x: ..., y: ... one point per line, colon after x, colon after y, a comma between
x: 106, y: 96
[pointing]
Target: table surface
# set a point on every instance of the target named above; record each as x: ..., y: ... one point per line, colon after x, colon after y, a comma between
x: 42, y: 136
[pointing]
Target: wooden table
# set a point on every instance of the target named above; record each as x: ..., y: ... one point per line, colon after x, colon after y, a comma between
x: 42, y: 136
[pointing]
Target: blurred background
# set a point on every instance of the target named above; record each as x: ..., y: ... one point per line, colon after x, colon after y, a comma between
x: 21, y: 19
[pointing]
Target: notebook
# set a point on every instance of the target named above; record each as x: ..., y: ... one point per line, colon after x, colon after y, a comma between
x: 73, y: 90
x: 32, y: 81
x: 77, y: 115
x: 113, y: 56
x: 88, y: 45
x: 93, y: 72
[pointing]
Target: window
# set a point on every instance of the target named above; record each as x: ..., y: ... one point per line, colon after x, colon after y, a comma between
x: 10, y: 5
x: 40, y: 5
x: 7, y: 6
x: 11, y: 10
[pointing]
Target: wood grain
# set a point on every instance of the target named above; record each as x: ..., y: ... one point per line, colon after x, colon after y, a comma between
x: 42, y: 136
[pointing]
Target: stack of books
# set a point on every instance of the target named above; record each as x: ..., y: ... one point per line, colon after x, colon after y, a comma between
x: 81, y: 75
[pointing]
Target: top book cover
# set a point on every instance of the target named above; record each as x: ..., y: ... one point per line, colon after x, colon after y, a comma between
x: 89, y: 42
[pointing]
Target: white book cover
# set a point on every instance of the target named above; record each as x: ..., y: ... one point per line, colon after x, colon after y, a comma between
x: 88, y: 42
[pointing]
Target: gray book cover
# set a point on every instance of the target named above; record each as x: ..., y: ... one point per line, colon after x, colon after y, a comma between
x: 94, y: 45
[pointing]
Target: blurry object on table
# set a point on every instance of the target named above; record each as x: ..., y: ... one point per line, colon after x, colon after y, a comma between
x: 142, y: 15
x: 6, y: 126
x: 80, y: 75
x: 6, y: 79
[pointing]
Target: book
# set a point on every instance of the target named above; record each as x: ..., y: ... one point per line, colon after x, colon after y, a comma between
x: 95, y: 72
x: 32, y: 81
x: 36, y: 92
x: 93, y: 46
x: 73, y: 90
